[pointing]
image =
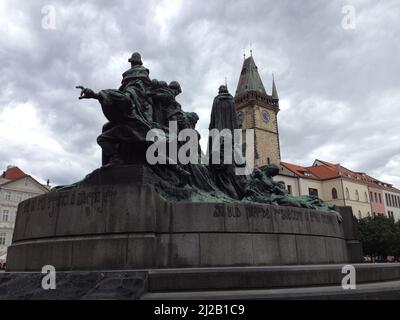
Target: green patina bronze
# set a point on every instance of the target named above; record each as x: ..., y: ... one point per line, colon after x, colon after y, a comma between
x: 141, y: 104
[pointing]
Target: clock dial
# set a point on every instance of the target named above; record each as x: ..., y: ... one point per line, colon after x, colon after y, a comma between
x: 265, y: 116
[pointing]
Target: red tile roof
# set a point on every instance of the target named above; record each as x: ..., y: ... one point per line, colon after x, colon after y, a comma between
x: 341, y: 171
x: 13, y: 173
x: 323, y: 170
x: 299, y: 170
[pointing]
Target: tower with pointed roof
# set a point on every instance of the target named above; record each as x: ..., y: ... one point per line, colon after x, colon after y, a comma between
x: 258, y: 110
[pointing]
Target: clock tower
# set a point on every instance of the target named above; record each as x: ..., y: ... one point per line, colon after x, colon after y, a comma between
x: 258, y: 110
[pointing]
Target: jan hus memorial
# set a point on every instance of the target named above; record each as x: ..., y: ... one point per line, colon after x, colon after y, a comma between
x: 147, y: 209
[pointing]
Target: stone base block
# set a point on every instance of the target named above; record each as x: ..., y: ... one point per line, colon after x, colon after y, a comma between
x: 99, y: 226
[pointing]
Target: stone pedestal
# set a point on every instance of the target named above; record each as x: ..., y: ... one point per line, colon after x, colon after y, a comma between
x: 351, y: 235
x: 112, y: 223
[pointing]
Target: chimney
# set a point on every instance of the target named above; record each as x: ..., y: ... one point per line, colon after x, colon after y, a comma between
x: 48, y: 182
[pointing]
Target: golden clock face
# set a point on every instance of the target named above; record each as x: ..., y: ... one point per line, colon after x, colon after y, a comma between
x: 265, y: 116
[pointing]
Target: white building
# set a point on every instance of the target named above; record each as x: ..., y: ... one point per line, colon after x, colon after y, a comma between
x: 392, y: 202
x: 15, y: 186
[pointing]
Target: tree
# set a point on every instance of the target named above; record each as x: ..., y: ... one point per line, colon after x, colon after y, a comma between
x: 396, y: 242
x: 380, y: 236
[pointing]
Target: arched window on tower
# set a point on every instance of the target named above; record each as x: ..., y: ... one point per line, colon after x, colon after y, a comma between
x: 334, y: 193
x: 357, y: 196
x: 347, y: 194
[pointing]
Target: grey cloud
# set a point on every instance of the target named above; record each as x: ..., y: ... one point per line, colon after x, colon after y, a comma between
x: 340, y: 86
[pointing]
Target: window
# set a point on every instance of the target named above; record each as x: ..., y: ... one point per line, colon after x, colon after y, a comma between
x: 359, y: 215
x: 7, y: 196
x: 347, y: 194
x: 5, y: 215
x: 376, y: 197
x: 388, y: 200
x: 269, y: 160
x: 3, y: 238
x: 366, y: 196
x: 334, y: 193
x: 357, y: 196
x: 313, y: 192
x: 289, y: 189
x: 380, y: 198
x: 371, y: 197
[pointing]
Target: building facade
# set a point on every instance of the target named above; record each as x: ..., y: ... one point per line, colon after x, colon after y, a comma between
x: 15, y: 186
x: 332, y: 183
x: 376, y: 195
x: 392, y: 202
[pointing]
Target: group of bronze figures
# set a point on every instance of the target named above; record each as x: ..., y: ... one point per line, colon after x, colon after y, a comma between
x: 142, y: 104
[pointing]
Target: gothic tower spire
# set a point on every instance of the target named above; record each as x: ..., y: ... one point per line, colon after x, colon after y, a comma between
x: 250, y: 79
x: 258, y: 110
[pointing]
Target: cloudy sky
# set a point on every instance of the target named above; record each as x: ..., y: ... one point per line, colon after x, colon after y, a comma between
x: 337, y: 74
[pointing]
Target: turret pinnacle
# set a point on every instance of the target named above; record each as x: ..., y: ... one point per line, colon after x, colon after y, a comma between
x: 274, y: 91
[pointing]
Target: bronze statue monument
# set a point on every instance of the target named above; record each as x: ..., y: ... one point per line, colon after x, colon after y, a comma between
x: 142, y: 104
x: 154, y: 202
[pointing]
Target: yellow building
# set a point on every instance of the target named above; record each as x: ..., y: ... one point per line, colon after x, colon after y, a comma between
x: 332, y: 183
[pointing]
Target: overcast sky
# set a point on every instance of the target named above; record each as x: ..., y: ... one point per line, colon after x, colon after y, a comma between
x: 338, y: 85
